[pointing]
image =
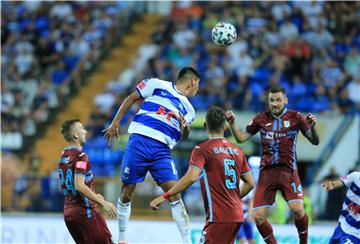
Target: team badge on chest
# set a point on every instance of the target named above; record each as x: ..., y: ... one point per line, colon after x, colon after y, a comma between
x: 286, y: 123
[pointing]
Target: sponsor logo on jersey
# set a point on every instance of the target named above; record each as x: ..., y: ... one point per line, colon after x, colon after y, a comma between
x: 142, y: 85
x: 81, y: 165
x: 286, y: 123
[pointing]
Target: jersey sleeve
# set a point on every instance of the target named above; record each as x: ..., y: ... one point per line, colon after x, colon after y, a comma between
x: 197, y: 158
x: 253, y: 127
x: 190, y: 116
x: 245, y: 169
x: 147, y: 86
x: 82, y: 164
x: 303, y: 125
x: 350, y: 178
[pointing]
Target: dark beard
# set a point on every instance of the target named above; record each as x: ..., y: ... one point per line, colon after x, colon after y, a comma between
x: 281, y: 111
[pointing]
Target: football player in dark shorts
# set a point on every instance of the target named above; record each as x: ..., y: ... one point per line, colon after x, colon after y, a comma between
x: 279, y: 128
x: 81, y: 214
x: 221, y: 165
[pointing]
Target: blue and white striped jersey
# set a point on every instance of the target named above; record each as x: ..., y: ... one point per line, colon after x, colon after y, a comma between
x: 157, y: 117
x: 350, y: 215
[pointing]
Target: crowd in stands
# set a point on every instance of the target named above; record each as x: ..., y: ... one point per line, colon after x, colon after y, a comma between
x: 48, y: 50
x: 47, y: 47
x: 311, y: 48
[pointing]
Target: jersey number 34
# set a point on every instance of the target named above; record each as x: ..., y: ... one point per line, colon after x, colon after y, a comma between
x: 68, y: 181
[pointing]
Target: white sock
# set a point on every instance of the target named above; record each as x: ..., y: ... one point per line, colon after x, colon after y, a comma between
x: 123, y: 215
x: 181, y: 218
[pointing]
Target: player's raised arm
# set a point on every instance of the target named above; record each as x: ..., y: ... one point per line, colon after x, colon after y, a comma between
x: 187, y: 180
x: 240, y: 136
x: 113, y: 129
x: 311, y: 134
x: 80, y: 186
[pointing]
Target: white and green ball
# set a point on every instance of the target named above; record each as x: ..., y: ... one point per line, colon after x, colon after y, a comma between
x: 223, y: 34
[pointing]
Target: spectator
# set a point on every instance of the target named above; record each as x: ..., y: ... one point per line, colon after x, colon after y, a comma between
x: 46, y: 53
x: 331, y: 74
x: 352, y: 64
x: 80, y: 47
x: 272, y: 36
x: 183, y: 37
x: 334, y: 198
x: 280, y: 10
x: 353, y: 89
x: 11, y: 138
x: 288, y: 30
x: 105, y: 101
x: 60, y: 74
x: 62, y: 10
x: 320, y: 39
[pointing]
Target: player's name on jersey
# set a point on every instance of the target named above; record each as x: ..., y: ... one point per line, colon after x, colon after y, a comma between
x: 226, y: 150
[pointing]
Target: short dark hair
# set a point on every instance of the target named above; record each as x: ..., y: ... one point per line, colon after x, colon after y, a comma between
x: 275, y: 89
x: 66, y: 129
x: 188, y: 73
x: 215, y: 119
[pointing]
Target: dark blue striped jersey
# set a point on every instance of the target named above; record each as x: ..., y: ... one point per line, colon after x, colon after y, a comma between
x: 72, y: 162
x: 158, y: 115
x: 350, y: 214
x: 278, y: 136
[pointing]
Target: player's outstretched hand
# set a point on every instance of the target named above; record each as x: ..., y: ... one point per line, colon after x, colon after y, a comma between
x: 154, y: 204
x: 230, y: 117
x: 110, y: 209
x: 328, y: 185
x: 110, y: 132
x: 310, y: 118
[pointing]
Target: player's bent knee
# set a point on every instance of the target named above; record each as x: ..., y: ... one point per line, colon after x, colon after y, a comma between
x: 259, y: 218
x: 298, y: 213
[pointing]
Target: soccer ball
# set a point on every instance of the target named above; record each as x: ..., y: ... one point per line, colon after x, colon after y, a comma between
x: 223, y: 34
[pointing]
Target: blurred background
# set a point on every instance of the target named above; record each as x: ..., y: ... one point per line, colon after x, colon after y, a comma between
x: 62, y: 60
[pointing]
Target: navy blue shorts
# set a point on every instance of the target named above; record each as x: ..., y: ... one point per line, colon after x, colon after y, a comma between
x: 145, y: 154
x: 246, y: 231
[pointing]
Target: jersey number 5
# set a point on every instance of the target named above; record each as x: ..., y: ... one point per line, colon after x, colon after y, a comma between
x: 229, y: 171
x: 68, y: 181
